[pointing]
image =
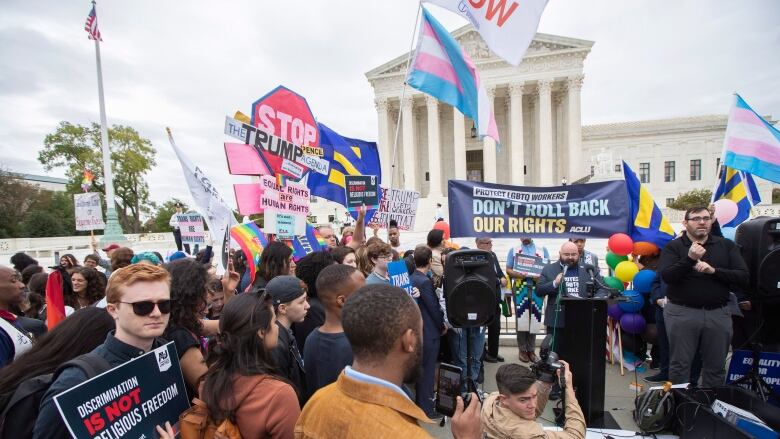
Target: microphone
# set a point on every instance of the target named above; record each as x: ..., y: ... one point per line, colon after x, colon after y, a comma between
x: 591, y: 270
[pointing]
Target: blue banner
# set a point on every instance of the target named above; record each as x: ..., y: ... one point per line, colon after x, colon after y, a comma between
x: 593, y: 210
x: 768, y: 370
x: 399, y: 275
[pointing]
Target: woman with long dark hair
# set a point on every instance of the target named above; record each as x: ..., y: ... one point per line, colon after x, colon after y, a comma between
x: 89, y: 287
x: 80, y: 333
x: 275, y: 260
x: 241, y: 384
x: 189, y: 297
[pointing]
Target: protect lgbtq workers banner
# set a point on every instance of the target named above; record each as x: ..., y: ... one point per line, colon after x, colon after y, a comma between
x: 595, y: 210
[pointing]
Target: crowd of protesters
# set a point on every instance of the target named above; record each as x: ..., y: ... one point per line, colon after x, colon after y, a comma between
x: 321, y: 346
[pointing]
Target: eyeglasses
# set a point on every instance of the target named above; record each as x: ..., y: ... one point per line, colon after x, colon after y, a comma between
x: 699, y: 219
x: 145, y: 307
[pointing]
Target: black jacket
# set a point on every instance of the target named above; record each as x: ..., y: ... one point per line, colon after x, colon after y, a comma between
x: 686, y: 286
x: 545, y: 287
x: 289, y: 360
x: 432, y: 315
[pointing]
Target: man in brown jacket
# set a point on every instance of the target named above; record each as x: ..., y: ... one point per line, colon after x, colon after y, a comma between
x: 384, y: 328
x: 511, y: 412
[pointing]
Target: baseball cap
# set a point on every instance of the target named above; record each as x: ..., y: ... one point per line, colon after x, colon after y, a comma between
x: 284, y: 289
x: 111, y: 247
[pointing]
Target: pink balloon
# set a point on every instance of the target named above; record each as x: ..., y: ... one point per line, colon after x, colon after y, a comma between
x: 725, y: 210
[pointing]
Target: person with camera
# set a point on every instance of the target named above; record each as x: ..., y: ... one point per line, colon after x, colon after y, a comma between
x: 522, y: 395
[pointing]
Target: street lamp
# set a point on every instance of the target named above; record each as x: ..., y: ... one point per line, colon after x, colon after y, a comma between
x: 564, y: 181
x: 473, y: 130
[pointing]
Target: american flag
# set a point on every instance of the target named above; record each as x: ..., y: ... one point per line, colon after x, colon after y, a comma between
x: 91, y: 25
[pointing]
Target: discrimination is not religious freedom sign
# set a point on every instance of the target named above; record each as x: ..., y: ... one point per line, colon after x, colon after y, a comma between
x: 129, y: 400
x: 596, y: 210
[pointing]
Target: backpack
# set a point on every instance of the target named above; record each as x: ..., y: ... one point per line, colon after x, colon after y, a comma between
x: 653, y: 410
x: 195, y: 423
x: 18, y: 418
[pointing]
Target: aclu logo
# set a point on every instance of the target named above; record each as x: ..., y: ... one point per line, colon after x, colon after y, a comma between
x: 163, y: 358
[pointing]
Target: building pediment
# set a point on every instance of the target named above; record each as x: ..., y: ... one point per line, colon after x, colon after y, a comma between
x: 541, y: 46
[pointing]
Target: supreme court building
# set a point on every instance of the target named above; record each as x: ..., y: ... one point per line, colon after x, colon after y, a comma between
x: 543, y: 143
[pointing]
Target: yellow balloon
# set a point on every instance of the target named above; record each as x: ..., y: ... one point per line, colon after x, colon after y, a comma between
x: 626, y: 271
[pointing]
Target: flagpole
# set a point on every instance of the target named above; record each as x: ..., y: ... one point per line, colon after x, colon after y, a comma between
x: 403, y: 95
x: 113, y: 232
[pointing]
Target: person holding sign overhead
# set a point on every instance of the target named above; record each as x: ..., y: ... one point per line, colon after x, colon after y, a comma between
x: 526, y: 341
x: 139, y: 299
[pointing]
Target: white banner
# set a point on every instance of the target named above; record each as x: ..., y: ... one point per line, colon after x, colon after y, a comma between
x: 507, y: 26
x: 209, y: 203
x: 89, y: 212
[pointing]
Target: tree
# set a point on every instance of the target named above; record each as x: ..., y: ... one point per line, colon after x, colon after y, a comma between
x: 158, y: 223
x: 77, y: 147
x: 696, y: 197
x: 16, y: 197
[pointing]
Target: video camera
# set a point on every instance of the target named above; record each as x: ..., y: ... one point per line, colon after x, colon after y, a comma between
x: 548, y: 365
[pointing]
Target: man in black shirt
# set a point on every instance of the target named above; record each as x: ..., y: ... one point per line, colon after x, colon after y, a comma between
x: 290, y: 304
x: 700, y: 269
x: 327, y: 350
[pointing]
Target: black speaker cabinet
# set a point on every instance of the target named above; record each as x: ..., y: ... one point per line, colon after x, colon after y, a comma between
x: 759, y: 241
x: 470, y: 288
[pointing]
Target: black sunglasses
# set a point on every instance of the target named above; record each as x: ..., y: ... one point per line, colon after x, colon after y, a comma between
x: 145, y: 307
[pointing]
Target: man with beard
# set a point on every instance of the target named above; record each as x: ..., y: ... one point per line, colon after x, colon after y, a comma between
x: 566, y: 277
x: 700, y: 269
x: 384, y: 327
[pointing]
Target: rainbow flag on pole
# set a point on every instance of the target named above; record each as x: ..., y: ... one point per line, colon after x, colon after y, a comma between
x: 252, y: 240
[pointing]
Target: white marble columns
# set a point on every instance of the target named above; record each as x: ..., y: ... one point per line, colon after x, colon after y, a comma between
x: 459, y: 143
x: 545, y: 133
x: 489, y: 146
x: 385, y: 139
x: 574, y: 86
x: 410, y: 161
x: 516, y: 133
x: 434, y: 147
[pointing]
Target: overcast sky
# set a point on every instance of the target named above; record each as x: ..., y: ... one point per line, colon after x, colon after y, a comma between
x: 188, y: 64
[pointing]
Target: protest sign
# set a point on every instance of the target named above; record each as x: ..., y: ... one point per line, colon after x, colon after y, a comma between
x: 399, y: 275
x: 191, y: 227
x: 129, y: 400
x: 529, y: 265
x: 89, y: 213
x: 361, y: 190
x: 768, y: 369
x: 399, y: 205
x: 284, y: 225
x: 596, y: 210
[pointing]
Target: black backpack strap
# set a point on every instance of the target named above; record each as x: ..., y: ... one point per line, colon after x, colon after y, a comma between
x: 91, y: 363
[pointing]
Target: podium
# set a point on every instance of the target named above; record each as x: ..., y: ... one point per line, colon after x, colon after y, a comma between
x: 582, y: 343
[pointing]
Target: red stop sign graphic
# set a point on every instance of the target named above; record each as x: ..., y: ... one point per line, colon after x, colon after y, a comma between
x: 286, y: 114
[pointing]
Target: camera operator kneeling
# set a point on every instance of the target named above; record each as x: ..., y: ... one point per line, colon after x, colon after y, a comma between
x: 512, y: 411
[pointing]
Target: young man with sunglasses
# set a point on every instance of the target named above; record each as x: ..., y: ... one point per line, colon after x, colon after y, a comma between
x: 138, y: 298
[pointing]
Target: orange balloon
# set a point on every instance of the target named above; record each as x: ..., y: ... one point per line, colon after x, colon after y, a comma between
x: 444, y: 227
x: 644, y: 248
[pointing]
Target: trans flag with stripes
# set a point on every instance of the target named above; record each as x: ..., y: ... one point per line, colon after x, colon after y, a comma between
x: 646, y: 222
x: 739, y: 187
x: 752, y: 144
x: 442, y: 69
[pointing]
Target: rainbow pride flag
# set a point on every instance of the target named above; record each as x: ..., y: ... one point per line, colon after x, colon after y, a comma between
x: 86, y: 182
x: 252, y: 240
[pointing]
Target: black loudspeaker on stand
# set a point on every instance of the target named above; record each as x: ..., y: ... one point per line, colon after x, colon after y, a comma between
x: 470, y: 295
x: 581, y: 342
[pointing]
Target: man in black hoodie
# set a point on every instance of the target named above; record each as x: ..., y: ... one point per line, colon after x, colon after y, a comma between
x: 700, y: 270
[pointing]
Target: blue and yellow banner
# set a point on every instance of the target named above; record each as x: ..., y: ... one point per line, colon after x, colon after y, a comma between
x: 646, y: 221
x: 596, y: 210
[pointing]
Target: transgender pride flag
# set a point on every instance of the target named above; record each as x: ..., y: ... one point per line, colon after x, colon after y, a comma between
x: 752, y: 144
x: 442, y: 69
